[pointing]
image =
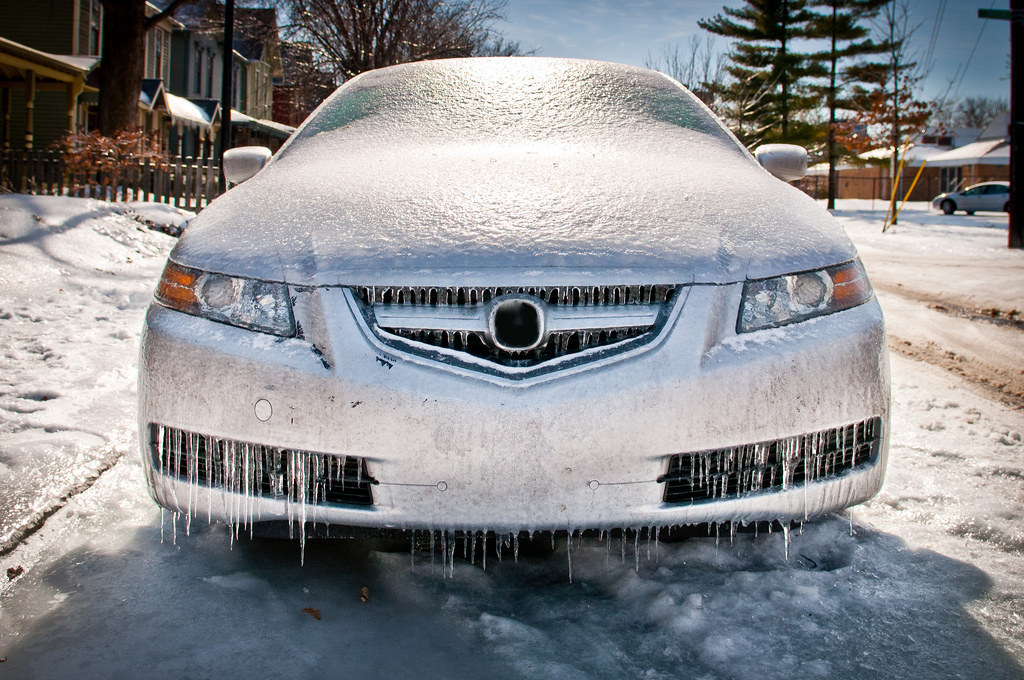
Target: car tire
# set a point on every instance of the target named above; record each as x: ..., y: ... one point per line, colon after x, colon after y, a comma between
x: 969, y: 212
x: 1006, y: 207
x: 948, y: 207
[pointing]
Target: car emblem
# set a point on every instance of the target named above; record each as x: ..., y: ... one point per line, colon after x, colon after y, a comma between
x: 516, y: 323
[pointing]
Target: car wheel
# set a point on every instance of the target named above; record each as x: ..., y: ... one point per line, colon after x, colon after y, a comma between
x: 948, y: 207
x: 969, y: 212
x: 1006, y: 207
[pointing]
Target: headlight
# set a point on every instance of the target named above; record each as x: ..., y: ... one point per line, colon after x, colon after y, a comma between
x: 249, y: 303
x: 781, y: 300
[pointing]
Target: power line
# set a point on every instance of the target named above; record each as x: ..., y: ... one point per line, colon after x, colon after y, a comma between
x: 940, y: 12
x: 959, y: 81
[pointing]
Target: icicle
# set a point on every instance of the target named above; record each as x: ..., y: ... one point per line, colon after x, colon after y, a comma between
x: 444, y: 553
x: 472, y: 548
x: 174, y: 528
x: 451, y: 557
x: 515, y: 549
x: 785, y: 534
x: 851, y: 521
x: 636, y: 549
x: 568, y: 551
x: 412, y: 550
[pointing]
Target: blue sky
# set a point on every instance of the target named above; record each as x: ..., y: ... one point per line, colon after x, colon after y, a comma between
x: 629, y: 30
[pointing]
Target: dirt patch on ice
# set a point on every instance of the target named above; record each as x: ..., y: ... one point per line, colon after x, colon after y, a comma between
x: 994, y: 373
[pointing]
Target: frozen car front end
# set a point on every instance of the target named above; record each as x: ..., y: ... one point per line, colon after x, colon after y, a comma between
x: 507, y: 295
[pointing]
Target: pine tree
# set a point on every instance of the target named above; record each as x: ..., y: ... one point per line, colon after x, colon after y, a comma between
x: 764, y: 98
x: 841, y: 24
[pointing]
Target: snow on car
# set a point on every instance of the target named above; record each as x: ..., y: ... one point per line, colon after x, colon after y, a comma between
x: 508, y: 295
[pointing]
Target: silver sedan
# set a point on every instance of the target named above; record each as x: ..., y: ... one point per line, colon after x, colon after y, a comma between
x: 508, y: 295
x: 991, y: 196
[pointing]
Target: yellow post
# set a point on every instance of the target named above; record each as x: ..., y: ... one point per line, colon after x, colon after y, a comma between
x: 912, y: 185
x: 895, y: 183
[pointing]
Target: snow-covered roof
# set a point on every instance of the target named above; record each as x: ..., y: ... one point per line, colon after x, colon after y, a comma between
x: 986, y: 152
x: 272, y: 128
x: 998, y: 128
x: 914, y: 155
x: 184, y: 112
x: 60, y: 67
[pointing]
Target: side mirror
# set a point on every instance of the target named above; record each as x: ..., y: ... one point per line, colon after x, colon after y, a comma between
x: 788, y: 162
x: 242, y: 163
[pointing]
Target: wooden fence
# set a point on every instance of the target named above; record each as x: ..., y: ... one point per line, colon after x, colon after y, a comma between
x: 187, y: 183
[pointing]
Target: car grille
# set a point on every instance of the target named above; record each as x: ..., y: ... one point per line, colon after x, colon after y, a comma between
x: 260, y: 471
x: 773, y: 465
x: 585, y: 317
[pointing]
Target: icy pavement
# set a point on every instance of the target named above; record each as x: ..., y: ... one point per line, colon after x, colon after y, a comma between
x: 930, y: 584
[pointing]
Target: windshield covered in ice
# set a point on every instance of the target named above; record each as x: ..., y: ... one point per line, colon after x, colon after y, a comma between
x: 510, y: 100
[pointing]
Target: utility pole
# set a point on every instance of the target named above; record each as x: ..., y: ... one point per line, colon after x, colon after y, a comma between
x: 226, y: 86
x: 1015, y: 15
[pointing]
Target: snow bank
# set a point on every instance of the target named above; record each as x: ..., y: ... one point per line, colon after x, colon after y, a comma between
x: 75, y: 277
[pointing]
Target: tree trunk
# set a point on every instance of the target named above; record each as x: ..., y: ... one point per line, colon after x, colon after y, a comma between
x: 121, y: 67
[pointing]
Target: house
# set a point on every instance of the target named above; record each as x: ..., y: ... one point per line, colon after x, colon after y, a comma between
x: 869, y: 175
x: 197, y: 66
x: 70, y: 31
x: 984, y: 160
x: 45, y: 58
x: 39, y: 94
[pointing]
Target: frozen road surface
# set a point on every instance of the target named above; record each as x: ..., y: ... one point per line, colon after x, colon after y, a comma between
x: 924, y: 581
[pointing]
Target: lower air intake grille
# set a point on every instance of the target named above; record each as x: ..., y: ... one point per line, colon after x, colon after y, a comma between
x: 774, y: 465
x: 260, y: 471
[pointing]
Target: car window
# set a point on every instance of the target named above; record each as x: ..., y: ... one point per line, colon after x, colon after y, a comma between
x: 974, y: 191
x: 997, y: 189
x: 518, y: 99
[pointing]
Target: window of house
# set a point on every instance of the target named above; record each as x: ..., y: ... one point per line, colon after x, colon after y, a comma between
x: 197, y: 71
x: 209, y: 73
x: 158, y: 44
x: 94, y: 27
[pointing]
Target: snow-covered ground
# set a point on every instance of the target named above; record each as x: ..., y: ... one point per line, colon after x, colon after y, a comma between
x: 926, y: 581
x: 75, y: 277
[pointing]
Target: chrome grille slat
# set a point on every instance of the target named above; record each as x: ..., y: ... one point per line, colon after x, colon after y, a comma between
x: 578, y: 318
x: 553, y: 295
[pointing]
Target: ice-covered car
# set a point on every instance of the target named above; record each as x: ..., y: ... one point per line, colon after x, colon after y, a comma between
x: 993, y: 196
x: 513, y: 294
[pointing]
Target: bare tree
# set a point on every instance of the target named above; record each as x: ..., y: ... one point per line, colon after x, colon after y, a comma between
x: 697, y: 65
x: 978, y: 112
x: 359, y: 35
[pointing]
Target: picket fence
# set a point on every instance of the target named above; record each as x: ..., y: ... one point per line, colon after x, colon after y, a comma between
x: 188, y: 183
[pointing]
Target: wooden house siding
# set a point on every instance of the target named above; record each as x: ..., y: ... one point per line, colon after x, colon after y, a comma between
x: 46, y: 26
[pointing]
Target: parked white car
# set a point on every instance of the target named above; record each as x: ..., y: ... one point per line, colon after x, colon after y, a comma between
x: 512, y: 295
x: 990, y: 196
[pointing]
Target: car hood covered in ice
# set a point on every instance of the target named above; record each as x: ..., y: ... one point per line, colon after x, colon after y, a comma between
x: 384, y: 193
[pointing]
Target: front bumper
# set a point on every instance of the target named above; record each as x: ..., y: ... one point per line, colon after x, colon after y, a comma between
x: 578, y: 448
